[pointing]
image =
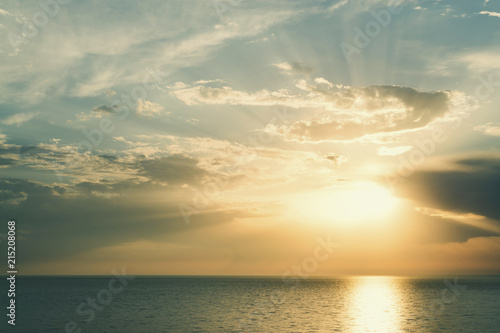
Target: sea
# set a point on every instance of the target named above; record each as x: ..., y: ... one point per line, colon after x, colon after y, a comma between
x: 254, y: 304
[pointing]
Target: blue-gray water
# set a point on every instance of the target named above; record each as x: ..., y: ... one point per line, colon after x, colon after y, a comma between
x: 215, y: 304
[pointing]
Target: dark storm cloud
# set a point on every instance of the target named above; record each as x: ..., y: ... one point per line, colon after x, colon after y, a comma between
x: 471, y: 186
x: 131, y: 199
x: 54, y: 222
x: 110, y: 158
x: 175, y: 169
x: 431, y: 229
x: 7, y: 161
x: 31, y: 149
x: 105, y: 109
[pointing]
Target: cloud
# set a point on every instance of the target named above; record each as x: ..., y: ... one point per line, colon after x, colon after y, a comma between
x: 337, y: 5
x: 294, y: 68
x: 97, y: 112
x: 488, y: 129
x: 57, y: 221
x: 5, y: 13
x: 482, y: 61
x: 349, y: 112
x: 148, y: 109
x: 166, y: 158
x: 55, y: 159
x: 134, y: 197
x: 249, y: 166
x: 175, y: 169
x: 477, y: 221
x: 7, y: 162
x: 462, y: 185
x: 484, y: 12
x: 94, y: 56
x: 19, y: 118
x: 393, y: 151
x: 320, y: 80
x: 337, y: 159
x: 471, y: 219
x: 204, y: 94
x: 272, y: 36
x: 372, y: 110
x: 105, y: 109
x: 97, y: 84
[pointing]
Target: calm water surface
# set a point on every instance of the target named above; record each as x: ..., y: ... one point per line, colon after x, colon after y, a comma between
x: 215, y: 304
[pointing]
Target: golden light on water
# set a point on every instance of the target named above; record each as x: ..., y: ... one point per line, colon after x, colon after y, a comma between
x: 374, y: 305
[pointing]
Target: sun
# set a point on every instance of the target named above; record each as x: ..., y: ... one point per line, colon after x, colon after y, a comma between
x: 353, y: 203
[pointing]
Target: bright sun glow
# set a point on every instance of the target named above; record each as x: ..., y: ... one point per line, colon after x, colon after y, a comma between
x: 353, y: 203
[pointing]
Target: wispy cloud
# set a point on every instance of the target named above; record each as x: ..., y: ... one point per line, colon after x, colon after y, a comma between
x: 484, y: 12
x: 471, y: 219
x: 19, y: 118
x: 393, y: 151
x: 337, y: 5
x: 148, y: 109
x: 294, y: 68
x: 340, y: 112
x: 488, y: 129
x: 4, y: 12
x: 103, y: 58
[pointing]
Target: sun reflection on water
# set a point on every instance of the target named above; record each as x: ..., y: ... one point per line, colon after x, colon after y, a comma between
x: 374, y: 305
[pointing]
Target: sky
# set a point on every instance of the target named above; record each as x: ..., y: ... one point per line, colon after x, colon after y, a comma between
x: 237, y: 137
